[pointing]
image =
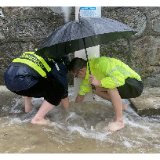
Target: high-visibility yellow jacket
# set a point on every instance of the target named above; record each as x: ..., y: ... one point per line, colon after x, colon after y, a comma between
x: 34, y: 61
x: 110, y: 71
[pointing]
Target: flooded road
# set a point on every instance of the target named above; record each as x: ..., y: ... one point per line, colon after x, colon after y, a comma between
x: 79, y: 129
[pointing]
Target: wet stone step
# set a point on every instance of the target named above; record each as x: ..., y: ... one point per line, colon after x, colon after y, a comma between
x: 146, y: 105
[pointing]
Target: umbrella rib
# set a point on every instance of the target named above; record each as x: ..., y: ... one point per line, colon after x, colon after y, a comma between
x: 55, y: 35
x: 114, y: 31
x: 63, y: 35
x: 87, y: 28
x: 71, y: 32
x: 65, y: 48
x: 59, y: 31
x: 81, y: 30
x: 112, y: 27
x: 105, y: 33
x: 92, y: 40
x: 77, y: 41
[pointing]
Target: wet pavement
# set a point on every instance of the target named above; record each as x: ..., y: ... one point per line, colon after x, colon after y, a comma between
x: 147, y: 104
x: 80, y: 129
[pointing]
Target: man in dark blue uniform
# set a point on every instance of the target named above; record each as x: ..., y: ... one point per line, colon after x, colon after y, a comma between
x: 32, y: 76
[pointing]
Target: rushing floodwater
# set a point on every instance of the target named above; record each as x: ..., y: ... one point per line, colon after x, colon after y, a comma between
x: 79, y: 129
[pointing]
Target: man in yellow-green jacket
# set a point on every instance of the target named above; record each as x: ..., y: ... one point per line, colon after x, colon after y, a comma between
x: 113, y: 80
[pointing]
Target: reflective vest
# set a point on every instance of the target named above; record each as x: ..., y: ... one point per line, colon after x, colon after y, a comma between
x: 110, y: 71
x: 34, y: 61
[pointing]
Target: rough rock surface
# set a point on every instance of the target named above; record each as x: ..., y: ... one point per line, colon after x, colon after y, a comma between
x: 24, y: 28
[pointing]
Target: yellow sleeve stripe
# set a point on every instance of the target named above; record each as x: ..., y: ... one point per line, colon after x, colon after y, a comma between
x: 80, y: 91
x: 115, y: 80
x: 85, y: 85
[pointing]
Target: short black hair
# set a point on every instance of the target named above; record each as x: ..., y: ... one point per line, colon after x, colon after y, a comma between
x: 76, y: 64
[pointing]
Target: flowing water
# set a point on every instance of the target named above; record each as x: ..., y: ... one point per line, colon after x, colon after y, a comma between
x: 79, y: 129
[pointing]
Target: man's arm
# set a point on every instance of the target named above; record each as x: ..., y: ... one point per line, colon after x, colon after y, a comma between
x: 79, y: 98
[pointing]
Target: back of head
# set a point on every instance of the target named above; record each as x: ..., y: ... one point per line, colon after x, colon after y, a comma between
x: 76, y: 64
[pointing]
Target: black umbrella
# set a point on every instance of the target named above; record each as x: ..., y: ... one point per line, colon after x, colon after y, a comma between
x: 81, y: 34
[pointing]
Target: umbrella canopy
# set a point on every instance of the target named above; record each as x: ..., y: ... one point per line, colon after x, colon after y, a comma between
x: 81, y: 34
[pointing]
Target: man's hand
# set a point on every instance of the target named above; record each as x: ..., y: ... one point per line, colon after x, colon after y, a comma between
x: 93, y: 80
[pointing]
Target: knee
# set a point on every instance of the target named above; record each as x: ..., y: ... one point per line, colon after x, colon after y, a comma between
x: 95, y: 91
x: 112, y: 90
x: 65, y: 103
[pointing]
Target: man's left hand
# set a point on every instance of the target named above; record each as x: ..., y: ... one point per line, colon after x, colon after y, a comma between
x: 93, y: 80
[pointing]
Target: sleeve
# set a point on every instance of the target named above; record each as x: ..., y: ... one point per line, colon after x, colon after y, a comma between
x: 61, y: 75
x: 84, y: 87
x: 112, y: 77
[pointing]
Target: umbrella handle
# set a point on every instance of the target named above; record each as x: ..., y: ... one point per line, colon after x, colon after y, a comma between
x: 93, y: 87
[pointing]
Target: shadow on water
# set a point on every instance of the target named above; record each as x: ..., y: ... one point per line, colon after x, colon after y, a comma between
x: 79, y: 129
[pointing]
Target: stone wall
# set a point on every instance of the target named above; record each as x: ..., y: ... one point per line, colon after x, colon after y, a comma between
x: 24, y: 28
x: 140, y: 51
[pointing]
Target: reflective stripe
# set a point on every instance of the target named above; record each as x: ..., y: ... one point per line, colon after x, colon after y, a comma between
x: 109, y: 59
x: 35, y: 62
x: 115, y: 80
x: 82, y: 91
x: 32, y: 58
x: 55, y: 65
x: 103, y: 77
x: 85, y: 85
x: 108, y: 74
x: 32, y: 65
x: 39, y: 58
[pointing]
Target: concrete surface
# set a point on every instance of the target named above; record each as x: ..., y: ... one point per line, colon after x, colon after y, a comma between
x: 148, y: 103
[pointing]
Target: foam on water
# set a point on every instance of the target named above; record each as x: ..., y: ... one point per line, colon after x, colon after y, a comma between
x: 87, y: 121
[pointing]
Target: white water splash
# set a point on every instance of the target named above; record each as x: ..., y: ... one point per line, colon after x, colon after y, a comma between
x: 85, y: 122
